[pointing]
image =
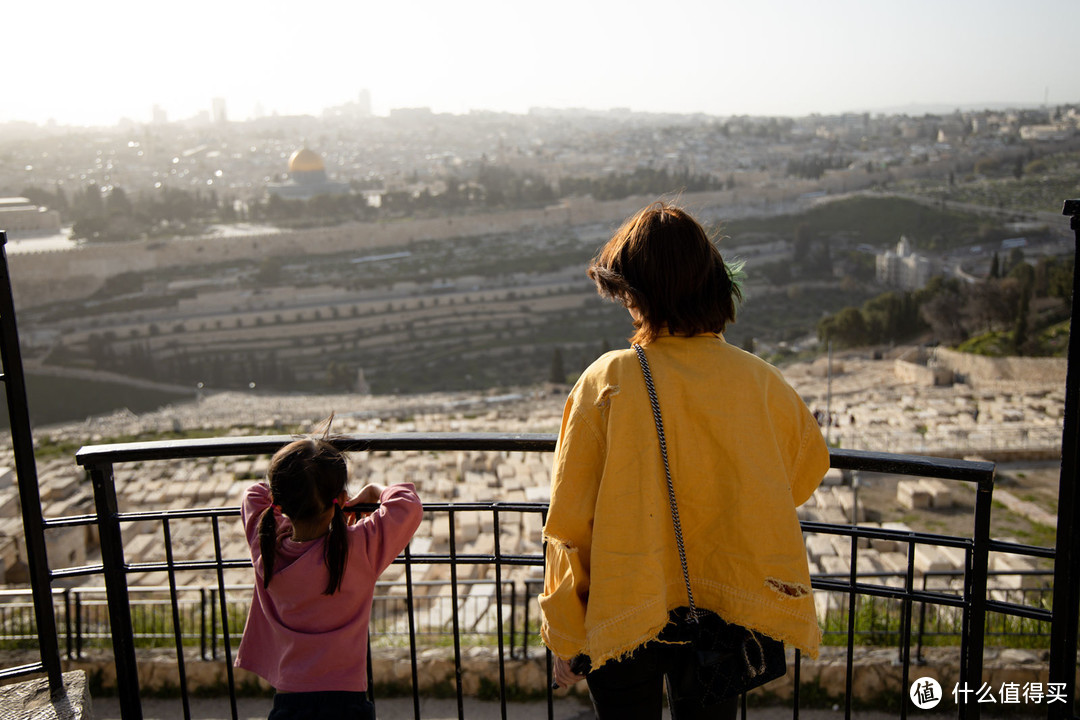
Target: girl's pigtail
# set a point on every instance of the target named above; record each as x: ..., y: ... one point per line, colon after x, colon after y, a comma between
x: 267, y: 543
x: 336, y: 550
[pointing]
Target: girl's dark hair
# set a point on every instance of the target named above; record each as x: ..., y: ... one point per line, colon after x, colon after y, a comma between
x: 307, y: 476
x: 663, y: 264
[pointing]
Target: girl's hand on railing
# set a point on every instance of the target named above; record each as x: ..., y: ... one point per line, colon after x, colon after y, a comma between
x: 368, y: 495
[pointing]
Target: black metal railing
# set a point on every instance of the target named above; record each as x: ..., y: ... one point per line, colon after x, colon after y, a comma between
x: 22, y: 443
x: 970, y: 600
x: 83, y: 616
x: 1063, y: 658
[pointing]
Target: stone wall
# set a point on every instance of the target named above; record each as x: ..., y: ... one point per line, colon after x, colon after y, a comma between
x: 87, y: 268
x: 912, y: 367
x: 877, y: 678
x: 31, y: 699
x: 979, y: 371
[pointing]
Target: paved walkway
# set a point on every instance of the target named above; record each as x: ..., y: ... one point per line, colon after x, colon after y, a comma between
x: 387, y: 709
x: 568, y: 708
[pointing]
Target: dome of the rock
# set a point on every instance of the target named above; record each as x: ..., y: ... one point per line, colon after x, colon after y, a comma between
x: 304, y: 160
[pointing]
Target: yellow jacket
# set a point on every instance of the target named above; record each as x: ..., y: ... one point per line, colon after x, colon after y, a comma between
x: 744, y: 452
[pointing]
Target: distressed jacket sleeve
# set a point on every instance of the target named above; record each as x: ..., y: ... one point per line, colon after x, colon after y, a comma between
x: 576, y: 473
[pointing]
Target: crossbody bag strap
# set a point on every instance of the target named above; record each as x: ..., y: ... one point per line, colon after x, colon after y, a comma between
x: 693, y: 615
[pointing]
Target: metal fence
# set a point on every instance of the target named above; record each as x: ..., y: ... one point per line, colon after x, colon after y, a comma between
x: 968, y: 598
x: 83, y: 615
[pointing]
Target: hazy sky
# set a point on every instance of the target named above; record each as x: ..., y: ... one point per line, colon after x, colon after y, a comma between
x: 93, y: 62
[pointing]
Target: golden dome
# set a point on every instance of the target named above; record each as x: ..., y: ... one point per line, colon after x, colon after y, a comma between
x: 304, y: 160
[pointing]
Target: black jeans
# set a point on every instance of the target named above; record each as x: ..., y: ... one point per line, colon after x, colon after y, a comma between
x: 320, y: 705
x: 633, y: 688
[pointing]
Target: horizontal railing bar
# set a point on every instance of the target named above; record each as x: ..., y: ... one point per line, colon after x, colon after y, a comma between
x: 945, y: 468
x: 77, y: 571
x: 69, y: 521
x: 482, y: 506
x: 22, y: 670
x: 521, y: 560
x: 86, y: 590
x: 924, y: 465
x: 885, y: 591
x: 933, y: 573
x: 989, y: 573
x: 1014, y: 609
x: 165, y: 589
x: 263, y: 445
x: 886, y: 534
x: 1019, y: 549
x: 432, y: 559
x: 907, y: 536
x: 183, y: 513
x: 230, y: 510
x: 188, y: 565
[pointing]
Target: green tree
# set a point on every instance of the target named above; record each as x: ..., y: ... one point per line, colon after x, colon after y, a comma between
x: 118, y: 203
x: 1025, y: 275
x: 1020, y: 327
x: 1016, y: 257
x: 846, y: 328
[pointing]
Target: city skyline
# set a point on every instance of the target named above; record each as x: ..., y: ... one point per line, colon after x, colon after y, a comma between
x: 93, y: 65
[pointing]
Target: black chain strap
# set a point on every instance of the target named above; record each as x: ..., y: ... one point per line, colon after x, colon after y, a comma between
x: 693, y: 614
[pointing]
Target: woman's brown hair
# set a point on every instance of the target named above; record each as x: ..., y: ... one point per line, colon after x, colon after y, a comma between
x: 662, y: 264
x: 306, y: 477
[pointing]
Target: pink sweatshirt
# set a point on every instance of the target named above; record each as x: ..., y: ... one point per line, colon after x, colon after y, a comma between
x: 298, y: 639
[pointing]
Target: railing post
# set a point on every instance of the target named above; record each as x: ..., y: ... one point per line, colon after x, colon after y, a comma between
x: 67, y: 621
x: 78, y: 626
x: 1063, y: 624
x: 26, y: 472
x: 202, y: 623
x: 213, y: 624
x: 116, y: 590
x: 513, y: 612
x: 975, y: 587
x: 525, y: 621
x: 919, y: 659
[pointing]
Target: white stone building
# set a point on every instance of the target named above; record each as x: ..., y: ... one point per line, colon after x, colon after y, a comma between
x: 904, y: 268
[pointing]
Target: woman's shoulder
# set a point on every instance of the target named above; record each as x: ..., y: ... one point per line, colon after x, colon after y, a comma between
x: 606, y: 369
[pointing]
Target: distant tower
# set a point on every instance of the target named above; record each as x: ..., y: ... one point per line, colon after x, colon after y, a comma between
x: 364, y: 103
x: 218, y: 111
x: 158, y: 115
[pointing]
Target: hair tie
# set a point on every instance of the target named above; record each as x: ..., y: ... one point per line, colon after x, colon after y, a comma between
x: 736, y: 273
x: 335, y: 501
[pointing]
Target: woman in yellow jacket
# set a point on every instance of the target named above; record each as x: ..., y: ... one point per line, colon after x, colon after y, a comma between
x: 744, y: 452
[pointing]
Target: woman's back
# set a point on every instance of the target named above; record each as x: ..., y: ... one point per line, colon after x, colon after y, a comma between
x: 744, y: 452
x: 299, y: 638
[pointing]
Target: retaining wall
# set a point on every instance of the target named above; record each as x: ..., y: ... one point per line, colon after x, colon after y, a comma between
x: 877, y: 674
x: 979, y: 371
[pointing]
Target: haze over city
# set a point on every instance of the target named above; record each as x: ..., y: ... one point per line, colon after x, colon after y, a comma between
x: 96, y: 64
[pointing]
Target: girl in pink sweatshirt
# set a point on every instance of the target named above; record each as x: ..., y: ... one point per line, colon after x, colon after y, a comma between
x: 316, y: 564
